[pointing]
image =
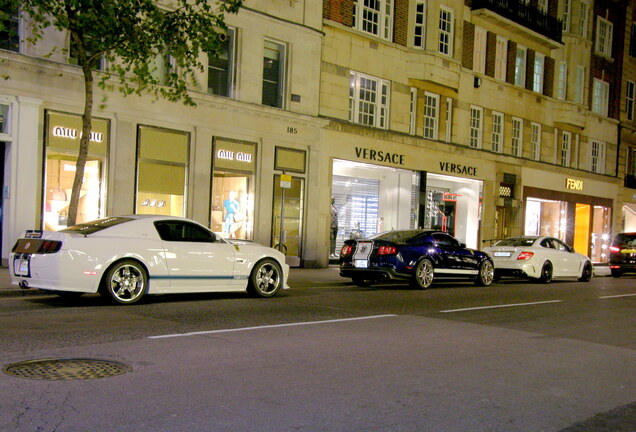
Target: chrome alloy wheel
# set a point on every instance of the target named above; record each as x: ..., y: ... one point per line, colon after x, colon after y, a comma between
x: 126, y: 282
x: 266, y: 278
x: 424, y: 274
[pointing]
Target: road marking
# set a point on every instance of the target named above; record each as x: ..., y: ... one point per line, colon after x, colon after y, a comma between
x: 617, y: 296
x: 500, y: 306
x: 270, y: 326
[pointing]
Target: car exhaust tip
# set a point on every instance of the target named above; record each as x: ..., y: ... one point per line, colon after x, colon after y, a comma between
x: 23, y: 284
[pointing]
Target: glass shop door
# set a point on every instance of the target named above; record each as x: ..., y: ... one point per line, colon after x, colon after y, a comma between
x: 287, y: 218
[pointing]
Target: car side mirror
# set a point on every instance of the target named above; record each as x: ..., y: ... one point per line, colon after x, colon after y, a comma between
x: 463, y: 245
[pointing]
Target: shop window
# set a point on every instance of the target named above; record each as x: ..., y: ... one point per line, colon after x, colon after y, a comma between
x: 546, y: 218
x: 221, y: 67
x: 9, y: 35
x: 419, y: 31
x: 446, y: 31
x: 62, y: 147
x: 274, y: 64
x: 162, y: 170
x: 232, y: 200
x: 374, y: 17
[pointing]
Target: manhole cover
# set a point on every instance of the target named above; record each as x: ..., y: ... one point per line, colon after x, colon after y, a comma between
x: 64, y: 369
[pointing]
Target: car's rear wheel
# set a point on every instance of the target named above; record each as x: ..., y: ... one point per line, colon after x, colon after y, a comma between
x: 546, y: 273
x: 126, y: 282
x: 616, y: 273
x: 424, y: 274
x: 266, y: 278
x: 486, y: 273
x: 586, y: 274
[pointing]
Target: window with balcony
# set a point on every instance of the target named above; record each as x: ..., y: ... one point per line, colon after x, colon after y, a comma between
x: 630, y: 97
x: 565, y: 149
x: 497, y: 137
x: 274, y: 65
x: 368, y: 100
x: 537, y: 81
x: 431, y: 115
x: 604, y: 35
x: 517, y: 137
x: 501, y: 53
x: 520, y: 66
x: 600, y: 97
x: 476, y: 127
x: 10, y: 36
x: 535, y: 141
x: 221, y: 67
x: 419, y: 32
x: 446, y: 31
x: 597, y: 163
x: 479, y: 50
x: 374, y: 17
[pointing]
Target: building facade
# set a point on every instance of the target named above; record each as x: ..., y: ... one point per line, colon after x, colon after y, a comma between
x: 481, y: 118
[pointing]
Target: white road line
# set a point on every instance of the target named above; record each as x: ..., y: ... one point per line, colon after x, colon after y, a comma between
x: 500, y: 306
x: 270, y: 326
x: 617, y: 296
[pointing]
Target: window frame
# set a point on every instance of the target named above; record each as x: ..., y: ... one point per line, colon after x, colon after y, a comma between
x: 13, y: 24
x: 231, y: 65
x: 567, y: 11
x: 497, y: 136
x: 380, y: 115
x: 535, y: 141
x: 446, y: 15
x: 420, y: 15
x: 430, y: 116
x: 384, y: 17
x: 600, y: 97
x: 413, y: 112
x: 479, y: 49
x: 579, y: 84
x: 562, y: 80
x: 516, y: 137
x: 449, y: 120
x: 538, y: 71
x: 565, y: 149
x: 282, y: 73
x: 597, y: 156
x: 604, y: 37
x: 520, y: 66
x: 630, y: 99
x: 501, y: 58
x: 584, y: 18
x: 475, y: 139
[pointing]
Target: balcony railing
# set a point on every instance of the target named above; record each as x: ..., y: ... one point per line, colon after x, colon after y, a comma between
x: 526, y: 15
x: 630, y: 181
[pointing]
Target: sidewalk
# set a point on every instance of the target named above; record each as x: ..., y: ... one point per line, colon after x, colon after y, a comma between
x: 298, y: 278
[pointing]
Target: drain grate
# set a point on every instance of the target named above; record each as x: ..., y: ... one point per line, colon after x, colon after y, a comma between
x: 64, y: 369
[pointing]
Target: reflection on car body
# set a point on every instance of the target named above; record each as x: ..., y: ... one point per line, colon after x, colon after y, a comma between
x: 623, y: 254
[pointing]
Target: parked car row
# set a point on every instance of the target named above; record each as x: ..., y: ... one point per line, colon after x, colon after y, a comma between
x: 423, y: 256
x: 119, y: 257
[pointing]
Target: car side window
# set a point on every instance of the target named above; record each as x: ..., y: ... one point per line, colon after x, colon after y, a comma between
x: 561, y: 246
x: 178, y: 231
x: 445, y: 240
x: 546, y: 243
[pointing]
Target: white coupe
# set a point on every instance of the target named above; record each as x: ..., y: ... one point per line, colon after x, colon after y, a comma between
x: 124, y: 258
x: 540, y: 258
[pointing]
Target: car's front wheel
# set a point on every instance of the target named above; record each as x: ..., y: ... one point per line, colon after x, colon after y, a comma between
x: 486, y: 273
x: 126, y: 282
x: 424, y: 274
x: 586, y: 274
x: 266, y: 278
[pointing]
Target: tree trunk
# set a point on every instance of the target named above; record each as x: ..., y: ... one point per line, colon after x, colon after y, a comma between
x: 87, y: 123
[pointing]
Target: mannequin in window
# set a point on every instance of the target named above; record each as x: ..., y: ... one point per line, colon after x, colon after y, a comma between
x: 333, y: 229
x: 231, y: 209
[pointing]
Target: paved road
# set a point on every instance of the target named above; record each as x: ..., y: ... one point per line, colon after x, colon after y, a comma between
x: 334, y: 357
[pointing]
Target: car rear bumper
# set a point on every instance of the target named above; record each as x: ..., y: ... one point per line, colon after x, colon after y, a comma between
x: 516, y: 269
x: 374, y: 273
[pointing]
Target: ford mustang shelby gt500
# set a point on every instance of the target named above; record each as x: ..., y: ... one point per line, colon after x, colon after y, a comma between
x: 124, y: 258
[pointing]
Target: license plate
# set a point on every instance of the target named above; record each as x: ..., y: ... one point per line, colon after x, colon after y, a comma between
x: 21, y: 266
x: 502, y: 254
x: 361, y: 263
x: 628, y: 251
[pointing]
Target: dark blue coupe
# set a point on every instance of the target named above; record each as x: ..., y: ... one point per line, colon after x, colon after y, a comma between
x: 418, y: 256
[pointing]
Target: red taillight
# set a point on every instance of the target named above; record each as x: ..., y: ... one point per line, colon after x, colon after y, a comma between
x: 387, y: 250
x: 49, y: 246
x: 615, y: 249
x: 346, y: 250
x: 525, y: 256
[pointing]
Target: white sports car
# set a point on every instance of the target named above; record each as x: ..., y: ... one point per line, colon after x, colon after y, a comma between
x: 538, y: 257
x: 124, y: 258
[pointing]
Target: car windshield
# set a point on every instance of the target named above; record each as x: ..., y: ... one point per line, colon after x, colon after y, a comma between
x: 625, y: 239
x: 397, y: 236
x: 516, y: 241
x: 96, y: 225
